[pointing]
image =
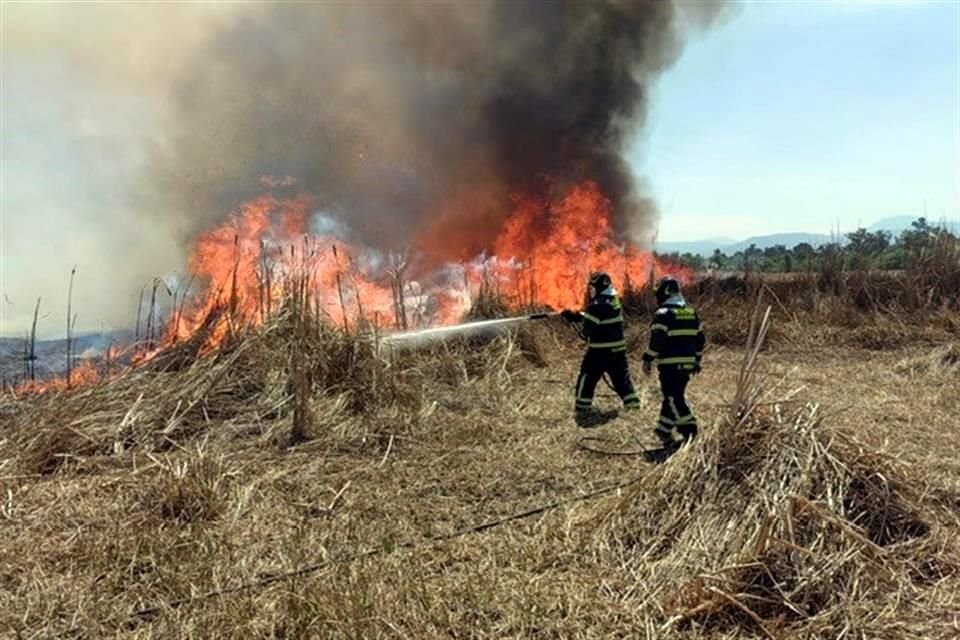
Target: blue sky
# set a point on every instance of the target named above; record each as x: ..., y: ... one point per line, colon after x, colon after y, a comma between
x: 808, y: 116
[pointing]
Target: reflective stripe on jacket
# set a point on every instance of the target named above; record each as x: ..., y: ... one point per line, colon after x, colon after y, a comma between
x: 603, y: 324
x: 676, y: 337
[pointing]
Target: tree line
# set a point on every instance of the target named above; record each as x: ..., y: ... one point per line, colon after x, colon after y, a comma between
x: 860, y: 249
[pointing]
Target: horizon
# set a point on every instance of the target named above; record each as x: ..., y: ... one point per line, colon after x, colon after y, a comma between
x: 892, y: 224
x: 851, y: 115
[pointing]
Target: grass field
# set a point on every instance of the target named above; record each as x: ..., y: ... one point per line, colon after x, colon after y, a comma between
x: 346, y: 493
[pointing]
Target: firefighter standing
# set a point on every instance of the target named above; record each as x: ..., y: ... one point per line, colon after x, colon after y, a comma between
x: 676, y: 346
x: 606, y: 346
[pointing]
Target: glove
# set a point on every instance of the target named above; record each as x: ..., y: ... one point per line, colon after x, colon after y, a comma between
x: 647, y: 367
x: 569, y: 316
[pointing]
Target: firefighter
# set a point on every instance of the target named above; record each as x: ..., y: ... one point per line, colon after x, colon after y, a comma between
x: 606, y: 347
x: 676, y: 346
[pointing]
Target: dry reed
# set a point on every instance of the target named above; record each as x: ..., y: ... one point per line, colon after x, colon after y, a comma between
x: 788, y: 517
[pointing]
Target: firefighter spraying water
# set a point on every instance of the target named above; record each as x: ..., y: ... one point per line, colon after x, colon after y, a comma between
x: 602, y: 328
x: 676, y: 347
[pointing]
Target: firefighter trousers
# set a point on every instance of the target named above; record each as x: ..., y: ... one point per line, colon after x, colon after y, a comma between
x: 598, y: 362
x: 674, y: 411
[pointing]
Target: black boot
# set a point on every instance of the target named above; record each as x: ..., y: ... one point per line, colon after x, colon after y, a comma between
x: 666, y: 437
x: 688, y: 431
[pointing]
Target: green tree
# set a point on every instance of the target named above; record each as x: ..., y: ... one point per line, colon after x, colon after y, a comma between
x: 805, y: 254
x: 750, y: 258
x: 719, y: 259
x: 868, y: 244
x: 917, y: 236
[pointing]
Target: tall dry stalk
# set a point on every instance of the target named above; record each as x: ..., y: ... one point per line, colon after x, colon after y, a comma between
x: 72, y: 326
x: 32, y: 357
x: 178, y: 312
x: 343, y: 307
x: 300, y: 379
x: 73, y: 272
x: 269, y: 283
x: 306, y: 272
x: 356, y: 289
x: 231, y: 316
x: 26, y: 357
x: 136, y: 334
x: 260, y: 280
x: 150, y: 315
x: 108, y: 359
x: 532, y: 285
x: 748, y: 388
x: 397, y: 288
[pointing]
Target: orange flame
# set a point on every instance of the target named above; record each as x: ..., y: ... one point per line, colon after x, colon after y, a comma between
x: 85, y: 373
x: 231, y: 261
x: 542, y: 255
x: 555, y: 246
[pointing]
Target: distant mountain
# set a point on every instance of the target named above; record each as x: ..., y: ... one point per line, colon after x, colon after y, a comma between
x: 894, y: 224
x: 721, y: 241
x: 699, y: 247
x: 707, y: 247
x: 897, y: 224
x: 789, y: 240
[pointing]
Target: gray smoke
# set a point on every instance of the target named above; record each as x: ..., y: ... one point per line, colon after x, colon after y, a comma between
x: 414, y: 122
x: 136, y: 126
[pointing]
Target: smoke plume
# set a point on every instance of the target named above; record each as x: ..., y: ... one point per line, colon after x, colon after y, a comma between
x: 412, y: 123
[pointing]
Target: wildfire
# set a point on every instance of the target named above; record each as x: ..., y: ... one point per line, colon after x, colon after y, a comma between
x: 542, y: 255
x: 235, y: 263
x: 85, y: 372
x: 555, y: 247
x: 245, y: 268
x: 264, y: 249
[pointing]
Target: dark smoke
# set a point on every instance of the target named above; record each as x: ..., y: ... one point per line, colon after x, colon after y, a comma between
x: 414, y: 122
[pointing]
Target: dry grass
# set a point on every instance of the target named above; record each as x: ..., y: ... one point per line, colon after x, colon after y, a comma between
x: 778, y: 522
x: 825, y: 503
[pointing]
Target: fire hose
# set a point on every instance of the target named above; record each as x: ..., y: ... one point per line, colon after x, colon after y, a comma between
x: 479, y: 327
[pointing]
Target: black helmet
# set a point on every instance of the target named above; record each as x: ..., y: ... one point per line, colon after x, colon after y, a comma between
x: 666, y: 287
x: 600, y: 281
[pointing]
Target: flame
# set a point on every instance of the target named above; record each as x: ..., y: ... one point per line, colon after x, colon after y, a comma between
x: 235, y: 264
x: 553, y: 247
x: 545, y: 251
x: 248, y: 265
x: 245, y: 268
x: 86, y: 372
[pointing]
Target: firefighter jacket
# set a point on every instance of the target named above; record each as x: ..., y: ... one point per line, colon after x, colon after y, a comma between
x: 676, y: 336
x: 603, y: 324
